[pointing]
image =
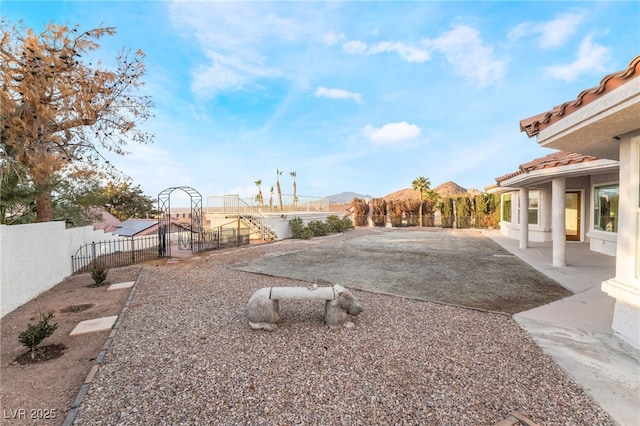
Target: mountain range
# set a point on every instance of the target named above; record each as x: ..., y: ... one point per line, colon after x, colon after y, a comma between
x: 444, y: 190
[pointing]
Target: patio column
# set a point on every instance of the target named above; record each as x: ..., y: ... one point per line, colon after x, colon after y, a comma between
x: 523, y: 195
x: 558, y: 225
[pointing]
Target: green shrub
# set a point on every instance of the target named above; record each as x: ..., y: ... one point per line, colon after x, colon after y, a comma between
x: 316, y: 228
x: 35, y: 334
x: 335, y: 225
x: 99, y: 271
x: 297, y: 227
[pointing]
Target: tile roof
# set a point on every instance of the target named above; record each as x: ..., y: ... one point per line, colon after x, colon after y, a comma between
x: 556, y: 159
x: 533, y: 125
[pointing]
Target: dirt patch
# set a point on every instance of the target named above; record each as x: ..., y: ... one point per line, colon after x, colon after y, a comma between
x: 77, y: 308
x: 42, y: 392
x: 458, y: 267
x: 41, y: 354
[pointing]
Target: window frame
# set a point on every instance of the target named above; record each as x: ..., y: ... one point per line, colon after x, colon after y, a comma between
x: 597, y: 208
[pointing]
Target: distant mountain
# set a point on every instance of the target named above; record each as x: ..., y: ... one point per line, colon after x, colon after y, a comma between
x: 447, y: 189
x: 345, y: 197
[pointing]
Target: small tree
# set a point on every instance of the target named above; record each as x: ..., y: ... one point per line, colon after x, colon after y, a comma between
x: 35, y: 334
x: 125, y: 201
x: 446, y: 208
x: 463, y: 211
x: 99, y: 271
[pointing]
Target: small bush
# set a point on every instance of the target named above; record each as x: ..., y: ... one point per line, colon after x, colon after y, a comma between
x: 335, y: 225
x: 35, y: 334
x: 99, y: 271
x: 297, y: 227
x: 316, y: 228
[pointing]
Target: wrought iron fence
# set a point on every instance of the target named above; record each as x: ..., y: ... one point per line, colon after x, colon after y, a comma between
x: 463, y: 222
x: 132, y: 250
x: 116, y: 253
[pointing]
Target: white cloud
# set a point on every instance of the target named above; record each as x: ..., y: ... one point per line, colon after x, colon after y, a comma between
x: 338, y: 94
x: 391, y: 133
x: 355, y: 47
x: 470, y: 57
x: 409, y: 53
x: 553, y: 33
x: 234, y: 37
x: 406, y: 52
x: 591, y: 59
x: 331, y: 38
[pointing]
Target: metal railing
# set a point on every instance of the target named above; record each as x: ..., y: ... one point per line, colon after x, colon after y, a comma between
x: 438, y: 221
x: 115, y: 253
x: 132, y: 250
x: 233, y: 204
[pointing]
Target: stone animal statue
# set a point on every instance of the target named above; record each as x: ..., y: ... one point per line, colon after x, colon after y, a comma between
x: 263, y: 307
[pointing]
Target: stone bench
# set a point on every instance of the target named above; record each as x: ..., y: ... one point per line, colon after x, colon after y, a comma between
x: 263, y: 307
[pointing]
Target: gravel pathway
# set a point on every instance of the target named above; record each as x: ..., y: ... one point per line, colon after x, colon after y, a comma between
x: 185, y: 354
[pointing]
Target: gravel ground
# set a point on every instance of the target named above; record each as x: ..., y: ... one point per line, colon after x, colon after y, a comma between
x: 185, y: 354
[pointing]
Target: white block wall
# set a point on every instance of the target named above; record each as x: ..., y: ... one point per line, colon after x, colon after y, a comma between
x: 37, y: 256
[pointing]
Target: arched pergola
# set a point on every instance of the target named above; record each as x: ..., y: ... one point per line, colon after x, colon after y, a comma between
x: 164, y: 219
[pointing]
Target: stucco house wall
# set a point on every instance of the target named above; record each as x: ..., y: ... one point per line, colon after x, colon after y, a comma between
x: 602, y: 242
x: 603, y: 122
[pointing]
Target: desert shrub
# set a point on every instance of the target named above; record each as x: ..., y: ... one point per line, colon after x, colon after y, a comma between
x: 99, y: 271
x: 319, y: 229
x: 35, y: 334
x: 297, y: 227
x: 335, y: 225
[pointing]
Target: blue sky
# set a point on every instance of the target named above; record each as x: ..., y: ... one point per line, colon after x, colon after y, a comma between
x: 352, y: 96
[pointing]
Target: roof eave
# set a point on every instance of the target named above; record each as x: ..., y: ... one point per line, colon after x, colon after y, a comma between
x: 570, y: 170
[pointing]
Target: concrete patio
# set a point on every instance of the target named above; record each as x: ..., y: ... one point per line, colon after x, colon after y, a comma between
x: 576, y: 331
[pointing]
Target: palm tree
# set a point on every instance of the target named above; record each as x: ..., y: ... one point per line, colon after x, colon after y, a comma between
x: 295, y: 197
x: 423, y: 185
x: 271, y: 199
x: 278, y: 173
x: 259, y: 196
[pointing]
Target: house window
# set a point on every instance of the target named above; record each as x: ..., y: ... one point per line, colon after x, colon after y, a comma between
x: 534, y: 202
x: 505, y: 214
x: 532, y: 208
x: 605, y: 208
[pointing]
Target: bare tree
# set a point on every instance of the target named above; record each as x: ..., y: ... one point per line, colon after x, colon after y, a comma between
x: 59, y: 113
